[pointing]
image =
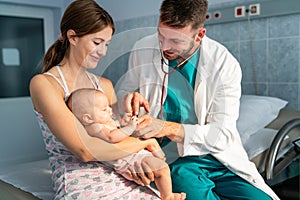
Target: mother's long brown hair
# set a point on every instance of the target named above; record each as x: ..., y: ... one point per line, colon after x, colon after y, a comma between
x: 82, y: 16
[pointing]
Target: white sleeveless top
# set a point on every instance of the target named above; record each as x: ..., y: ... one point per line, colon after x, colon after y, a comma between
x: 94, y: 80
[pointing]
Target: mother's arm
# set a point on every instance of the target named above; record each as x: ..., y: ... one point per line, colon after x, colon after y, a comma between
x: 48, y: 99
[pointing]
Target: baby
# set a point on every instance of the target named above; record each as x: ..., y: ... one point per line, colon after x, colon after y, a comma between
x: 92, y: 109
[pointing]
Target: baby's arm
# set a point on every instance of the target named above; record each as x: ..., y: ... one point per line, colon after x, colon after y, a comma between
x: 130, y: 125
x: 115, y: 135
x: 120, y: 134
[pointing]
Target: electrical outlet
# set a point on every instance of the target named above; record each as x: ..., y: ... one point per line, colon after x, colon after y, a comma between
x: 217, y: 15
x: 254, y: 9
x: 239, y: 11
x: 207, y: 16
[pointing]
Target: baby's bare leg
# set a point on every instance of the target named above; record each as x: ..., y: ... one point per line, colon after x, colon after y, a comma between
x: 162, y: 178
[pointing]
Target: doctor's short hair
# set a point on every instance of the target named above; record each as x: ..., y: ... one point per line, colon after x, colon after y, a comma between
x: 181, y: 13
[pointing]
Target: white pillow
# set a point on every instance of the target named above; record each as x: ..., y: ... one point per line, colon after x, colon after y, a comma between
x: 256, y: 112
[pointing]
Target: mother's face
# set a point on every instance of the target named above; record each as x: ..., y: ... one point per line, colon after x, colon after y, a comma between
x: 90, y: 48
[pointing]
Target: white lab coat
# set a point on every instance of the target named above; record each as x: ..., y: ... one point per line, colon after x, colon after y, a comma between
x: 216, y: 100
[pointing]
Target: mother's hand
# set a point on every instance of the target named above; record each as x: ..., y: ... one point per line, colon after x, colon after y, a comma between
x: 140, y: 173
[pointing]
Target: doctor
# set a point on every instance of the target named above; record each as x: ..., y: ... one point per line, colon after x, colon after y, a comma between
x: 192, y: 83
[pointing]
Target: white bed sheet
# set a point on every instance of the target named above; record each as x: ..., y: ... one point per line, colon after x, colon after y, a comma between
x: 33, y: 177
x: 259, y: 142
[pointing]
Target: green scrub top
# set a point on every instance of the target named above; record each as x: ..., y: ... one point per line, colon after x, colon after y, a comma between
x: 179, y: 103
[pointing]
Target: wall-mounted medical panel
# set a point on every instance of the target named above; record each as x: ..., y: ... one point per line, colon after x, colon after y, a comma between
x: 254, y: 10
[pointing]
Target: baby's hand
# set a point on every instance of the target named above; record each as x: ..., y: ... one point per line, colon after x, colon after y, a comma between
x: 126, y: 119
x: 129, y: 123
x: 133, y: 122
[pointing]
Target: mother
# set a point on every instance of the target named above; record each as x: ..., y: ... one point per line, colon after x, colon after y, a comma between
x: 86, y: 30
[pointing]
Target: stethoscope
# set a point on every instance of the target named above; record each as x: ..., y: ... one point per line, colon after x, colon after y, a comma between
x: 179, y: 65
x: 163, y: 89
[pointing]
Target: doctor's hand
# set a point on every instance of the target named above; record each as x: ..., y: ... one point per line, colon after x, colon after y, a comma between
x: 149, y: 127
x: 132, y: 102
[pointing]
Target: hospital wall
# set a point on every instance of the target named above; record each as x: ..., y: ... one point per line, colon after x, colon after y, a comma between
x: 275, y: 42
x: 271, y: 54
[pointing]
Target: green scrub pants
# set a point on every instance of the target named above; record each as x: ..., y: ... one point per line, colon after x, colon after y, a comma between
x: 205, y: 178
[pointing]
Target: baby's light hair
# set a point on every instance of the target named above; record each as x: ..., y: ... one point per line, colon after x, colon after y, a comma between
x: 81, y: 102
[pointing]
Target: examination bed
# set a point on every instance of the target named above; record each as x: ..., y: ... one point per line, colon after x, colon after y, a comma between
x: 25, y: 173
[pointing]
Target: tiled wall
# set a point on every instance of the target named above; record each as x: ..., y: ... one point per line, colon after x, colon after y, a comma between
x: 273, y: 52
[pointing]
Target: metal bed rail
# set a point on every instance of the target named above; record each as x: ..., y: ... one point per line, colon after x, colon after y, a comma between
x: 272, y: 166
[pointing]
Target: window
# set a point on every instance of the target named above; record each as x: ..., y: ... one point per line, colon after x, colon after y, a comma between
x: 25, y: 35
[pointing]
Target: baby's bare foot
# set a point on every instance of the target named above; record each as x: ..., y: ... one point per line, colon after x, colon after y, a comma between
x: 175, y: 196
